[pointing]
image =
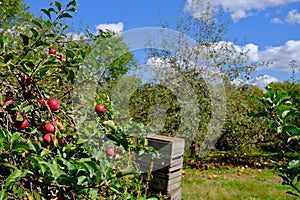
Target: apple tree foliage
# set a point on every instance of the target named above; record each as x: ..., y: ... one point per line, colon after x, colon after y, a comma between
x: 284, y: 118
x: 66, y: 164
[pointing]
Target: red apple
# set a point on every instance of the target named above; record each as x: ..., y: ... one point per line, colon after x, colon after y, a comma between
x: 22, y: 125
x: 25, y: 81
x: 48, y: 138
x: 62, y: 57
x: 41, y: 101
x: 8, y: 100
x: 110, y: 151
x: 99, y: 108
x: 53, y: 104
x: 52, y: 51
x: 49, y: 127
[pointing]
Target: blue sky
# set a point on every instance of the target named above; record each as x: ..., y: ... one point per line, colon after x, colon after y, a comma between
x: 269, y: 28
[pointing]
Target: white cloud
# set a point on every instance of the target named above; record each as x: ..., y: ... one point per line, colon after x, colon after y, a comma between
x: 281, y: 56
x: 276, y: 20
x: 293, y: 17
x: 114, y: 27
x: 278, y: 57
x: 238, y: 8
x: 260, y: 81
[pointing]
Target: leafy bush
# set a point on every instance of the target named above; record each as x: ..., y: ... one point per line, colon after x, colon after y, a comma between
x: 284, y: 118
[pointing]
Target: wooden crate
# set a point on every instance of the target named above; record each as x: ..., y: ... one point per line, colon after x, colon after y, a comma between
x: 167, y: 170
x: 170, y: 149
x: 171, y: 146
x: 174, y: 194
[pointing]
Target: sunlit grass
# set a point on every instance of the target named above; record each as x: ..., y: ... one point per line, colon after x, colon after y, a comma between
x: 235, y: 183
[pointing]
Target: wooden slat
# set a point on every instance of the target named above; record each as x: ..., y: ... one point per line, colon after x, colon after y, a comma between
x: 165, y: 185
x: 175, y: 194
x: 158, y: 164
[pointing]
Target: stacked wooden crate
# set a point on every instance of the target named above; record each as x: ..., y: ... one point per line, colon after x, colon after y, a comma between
x: 166, y: 170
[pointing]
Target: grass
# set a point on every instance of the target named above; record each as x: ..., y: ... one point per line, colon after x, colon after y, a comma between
x: 234, y: 183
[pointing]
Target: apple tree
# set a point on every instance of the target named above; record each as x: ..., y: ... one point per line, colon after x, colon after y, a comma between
x: 42, y: 153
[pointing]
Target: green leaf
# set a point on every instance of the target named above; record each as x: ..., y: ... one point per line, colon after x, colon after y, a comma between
x: 66, y: 15
x: 72, y: 10
x: 37, y: 23
x: 41, y: 43
x: 271, y: 93
x: 282, y: 108
x: 125, y: 144
x: 70, y: 53
x: 295, y: 137
x: 31, y: 146
x: 294, y: 130
x: 25, y: 39
x: 2, y: 135
x: 72, y: 3
x: 4, y: 74
x: 279, y: 97
x: 52, y: 10
x: 57, y: 4
x: 34, y: 32
x: 36, y: 194
x: 89, y: 166
x: 14, y: 177
x: 259, y: 100
x: 111, y: 124
x: 15, y: 137
x: 50, y: 35
x: 293, y: 164
x: 46, y: 12
x: 39, y: 162
x: 48, y: 23
x: 45, y: 152
x: 113, y: 139
x: 115, y: 189
x: 81, y: 141
x: 81, y: 180
x: 27, y: 109
x: 1, y: 42
x: 20, y: 117
x: 285, y: 113
x: 50, y: 62
x: 3, y: 194
x: 279, y: 129
x: 55, y: 169
x: 272, y: 124
x: 8, y: 166
x: 66, y: 180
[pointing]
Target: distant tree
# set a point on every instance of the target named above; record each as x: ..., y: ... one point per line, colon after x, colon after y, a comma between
x: 216, y: 59
x: 13, y: 11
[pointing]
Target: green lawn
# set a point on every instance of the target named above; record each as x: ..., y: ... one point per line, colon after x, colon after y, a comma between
x: 235, y: 183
